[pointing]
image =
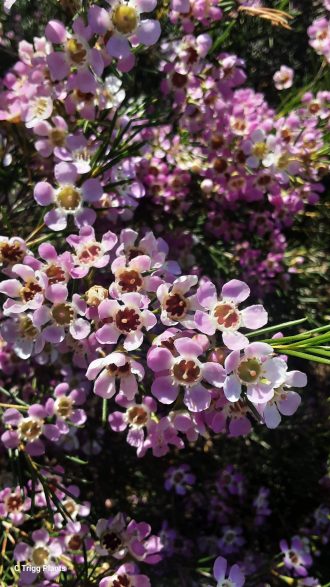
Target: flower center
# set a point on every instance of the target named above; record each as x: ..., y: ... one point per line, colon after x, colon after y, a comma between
x: 259, y: 150
x: 82, y: 154
x: 11, y: 253
x: 227, y: 316
x: 111, y: 542
x: 75, y: 542
x: 125, y: 19
x: 55, y: 274
x: 122, y: 371
x: 137, y: 416
x: 95, y: 295
x: 293, y: 557
x: 69, y: 198
x: 40, y: 555
x: 70, y: 507
x: 121, y: 581
x: 63, y: 406
x: 175, y: 305
x: 186, y: 371
x: 27, y: 329
x: 57, y: 137
x: 127, y: 320
x: 249, y: 370
x: 14, y: 503
x: 130, y: 281
x: 63, y: 314
x: 30, y: 290
x: 134, y: 252
x: 179, y: 80
x: 76, y: 51
x: 39, y: 107
x: 30, y: 428
x: 89, y: 254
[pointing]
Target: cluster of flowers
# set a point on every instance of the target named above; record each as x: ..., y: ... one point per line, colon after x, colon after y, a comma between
x: 72, y: 541
x: 247, y: 171
x: 231, y: 514
x: 319, y: 36
x: 138, y: 325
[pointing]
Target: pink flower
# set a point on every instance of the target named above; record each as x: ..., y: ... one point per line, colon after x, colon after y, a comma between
x: 126, y: 26
x: 283, y: 78
x: 78, y: 151
x: 297, y: 557
x: 177, y: 306
x: 223, y: 314
x: 118, y: 538
x: 25, y: 338
x: 319, y: 34
x: 89, y: 252
x: 285, y: 401
x: 44, y: 553
x: 28, y: 429
x: 63, y: 317
x: 64, y: 406
x: 136, y: 418
x: 14, y: 504
x: 51, y: 136
x: 77, y: 55
x: 68, y: 198
x: 117, y: 369
x: 126, y: 317
x: 161, y: 435
x: 257, y: 371
x: 183, y: 369
x: 179, y: 478
x: 235, y: 577
x: 27, y: 294
x: 12, y: 251
x: 131, y: 276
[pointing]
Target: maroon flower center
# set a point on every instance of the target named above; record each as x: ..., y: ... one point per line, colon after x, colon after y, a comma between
x: 11, y: 253
x: 293, y: 557
x: 14, y: 503
x: 186, y: 371
x: 70, y: 507
x: 226, y: 315
x: 75, y: 542
x: 122, y: 581
x: 89, y: 254
x: 137, y: 416
x: 30, y: 290
x: 179, y: 80
x: 55, y: 274
x: 130, y: 281
x: 121, y: 371
x: 134, y: 252
x: 76, y: 51
x: 175, y: 305
x: 63, y: 314
x: 111, y: 541
x: 127, y: 320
